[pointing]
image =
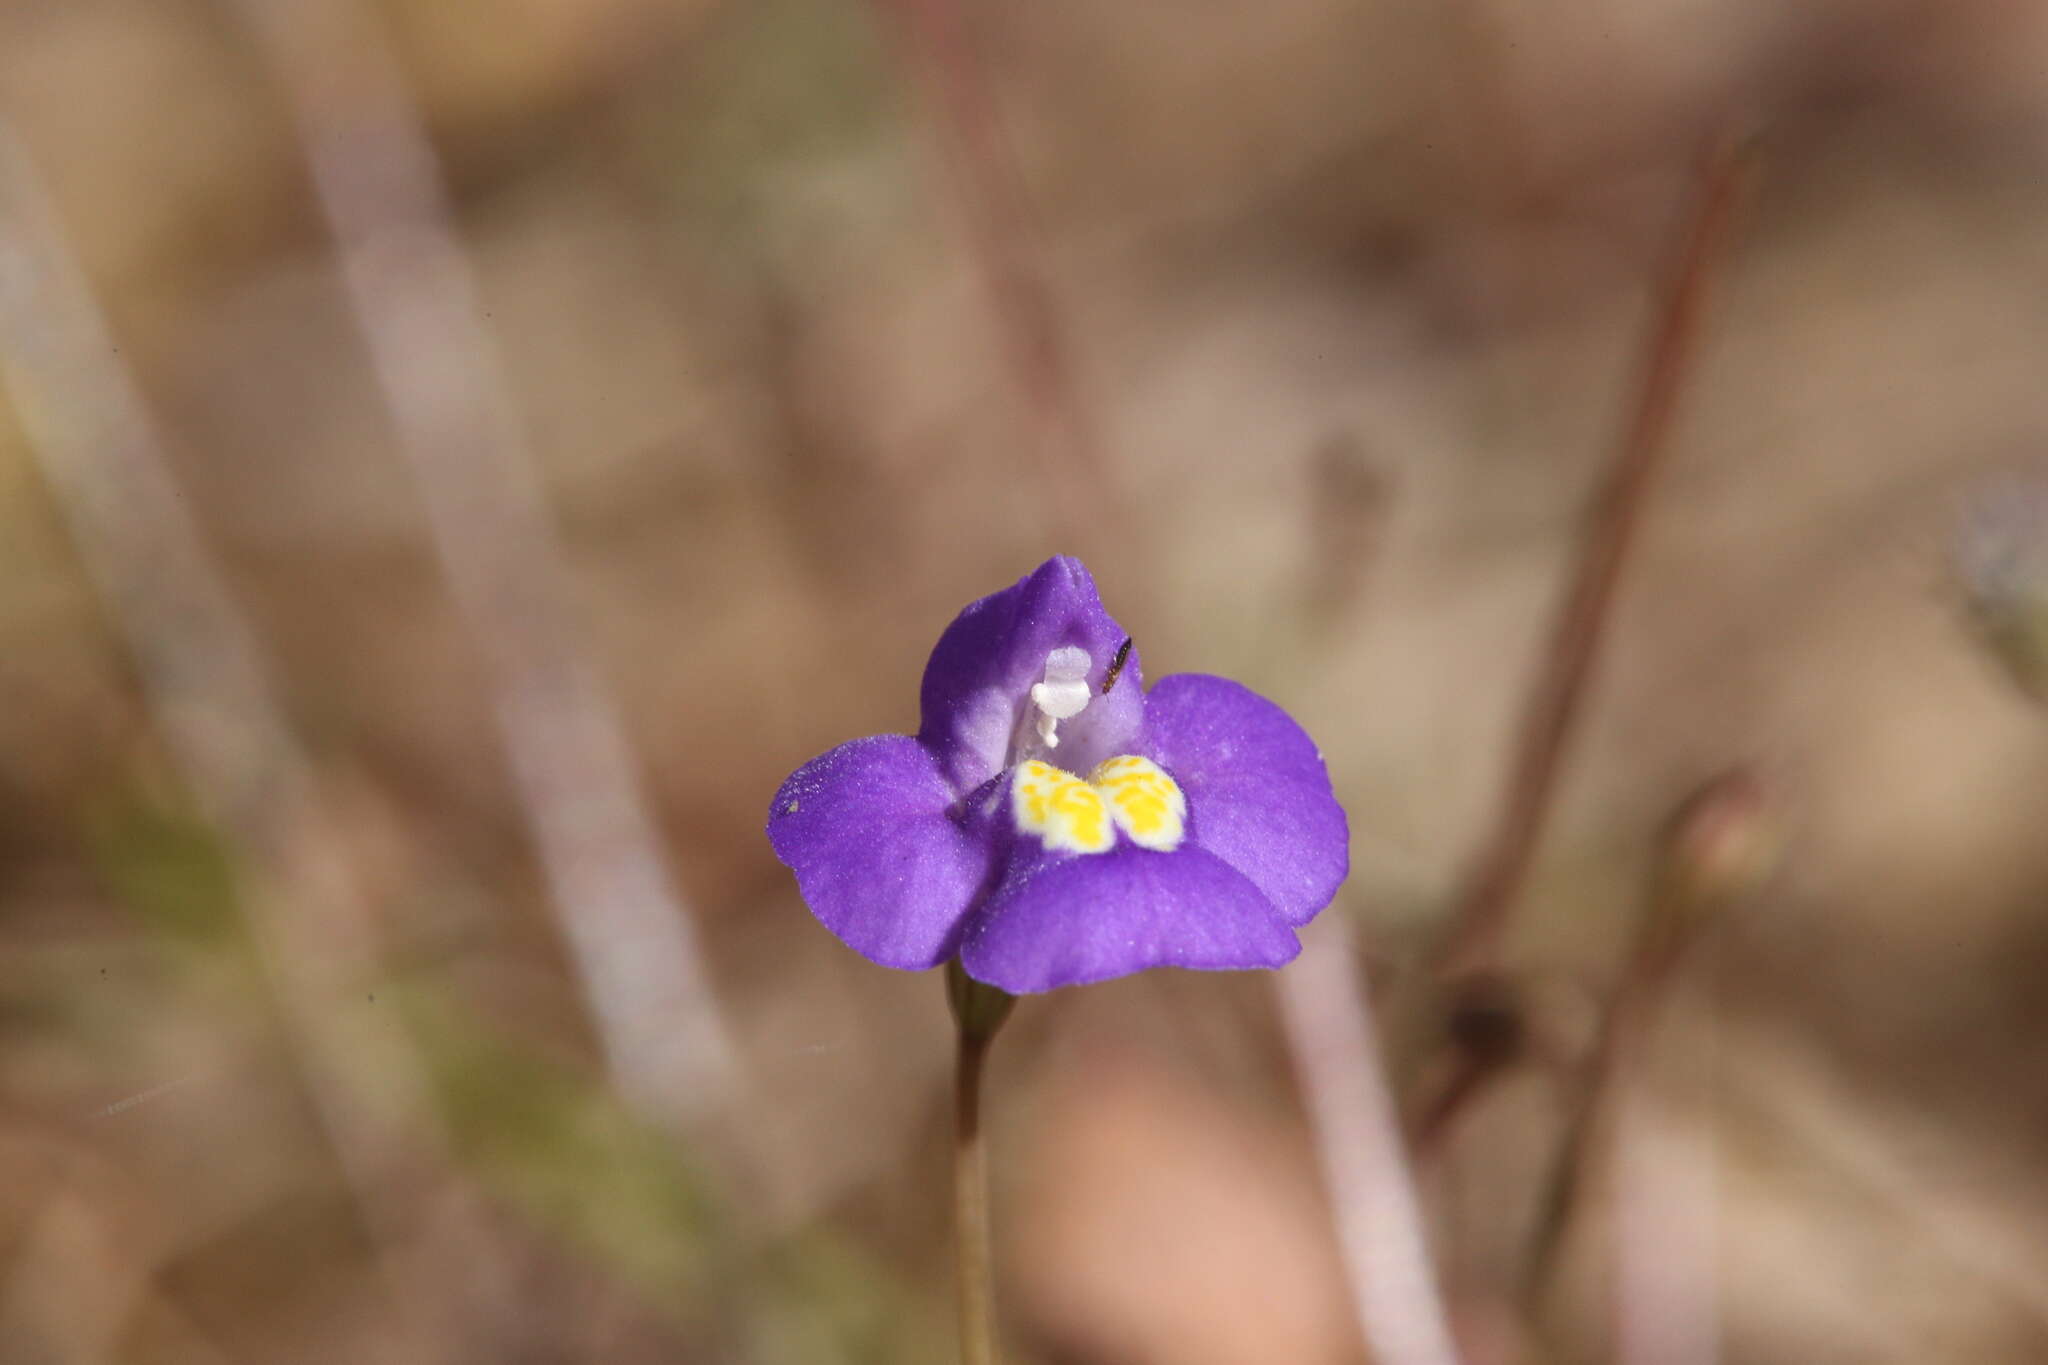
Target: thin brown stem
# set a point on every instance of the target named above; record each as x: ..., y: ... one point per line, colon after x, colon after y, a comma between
x: 1441, y: 1112
x: 1624, y: 1026
x: 1003, y: 242
x: 970, y: 1207
x: 978, y: 1012
x: 1556, y: 699
x: 1720, y: 844
x: 1488, y: 1030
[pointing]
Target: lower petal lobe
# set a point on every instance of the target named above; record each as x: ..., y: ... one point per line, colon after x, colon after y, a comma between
x: 1258, y: 794
x: 879, y: 858
x: 1069, y: 920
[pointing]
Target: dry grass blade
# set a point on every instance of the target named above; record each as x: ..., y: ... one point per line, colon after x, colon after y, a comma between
x: 628, y: 933
x: 207, y: 691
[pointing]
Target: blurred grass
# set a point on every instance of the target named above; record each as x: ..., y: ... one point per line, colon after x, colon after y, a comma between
x: 168, y: 867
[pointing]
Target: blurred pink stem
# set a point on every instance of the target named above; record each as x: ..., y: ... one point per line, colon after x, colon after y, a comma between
x: 628, y: 934
x: 1380, y: 1228
x: 1665, y: 1174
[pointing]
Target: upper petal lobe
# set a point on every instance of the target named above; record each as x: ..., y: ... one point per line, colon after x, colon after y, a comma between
x: 1258, y: 794
x: 880, y: 859
x: 979, y: 678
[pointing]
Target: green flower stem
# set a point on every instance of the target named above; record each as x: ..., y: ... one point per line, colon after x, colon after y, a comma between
x: 979, y: 1010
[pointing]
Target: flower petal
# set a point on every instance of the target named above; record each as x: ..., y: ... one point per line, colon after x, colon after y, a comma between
x: 877, y: 854
x: 978, y: 681
x: 1067, y: 921
x: 1258, y: 794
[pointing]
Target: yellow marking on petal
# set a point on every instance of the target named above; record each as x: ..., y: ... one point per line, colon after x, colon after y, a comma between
x: 1125, y: 793
x: 1062, y: 810
x: 1146, y: 804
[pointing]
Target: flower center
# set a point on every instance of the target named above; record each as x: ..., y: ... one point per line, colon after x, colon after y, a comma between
x: 1125, y: 793
x: 1064, y: 693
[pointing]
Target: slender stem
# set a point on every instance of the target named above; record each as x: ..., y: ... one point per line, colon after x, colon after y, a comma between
x: 1623, y: 1031
x: 970, y: 1207
x: 1718, y: 846
x: 1467, y: 1083
x: 1003, y: 240
x: 979, y: 1010
x: 1556, y: 699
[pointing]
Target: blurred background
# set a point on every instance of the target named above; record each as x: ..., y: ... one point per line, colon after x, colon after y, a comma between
x: 458, y: 457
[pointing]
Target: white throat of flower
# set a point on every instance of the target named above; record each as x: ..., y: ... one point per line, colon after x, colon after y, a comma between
x: 1064, y: 694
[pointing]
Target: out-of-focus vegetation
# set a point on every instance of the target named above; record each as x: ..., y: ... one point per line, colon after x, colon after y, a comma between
x: 1350, y: 299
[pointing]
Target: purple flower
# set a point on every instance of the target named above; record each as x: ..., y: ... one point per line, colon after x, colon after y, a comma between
x: 1052, y: 823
